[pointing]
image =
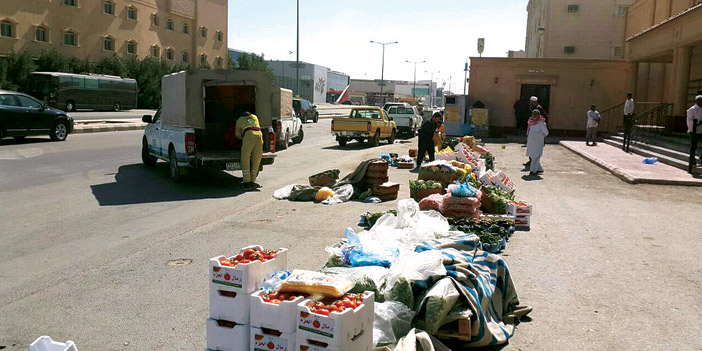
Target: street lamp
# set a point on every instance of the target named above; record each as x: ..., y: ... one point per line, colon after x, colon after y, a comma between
x: 297, y: 53
x: 415, y: 76
x: 432, y: 97
x: 382, y: 68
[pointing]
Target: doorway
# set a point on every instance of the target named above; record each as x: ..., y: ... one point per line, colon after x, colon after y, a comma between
x: 543, y: 92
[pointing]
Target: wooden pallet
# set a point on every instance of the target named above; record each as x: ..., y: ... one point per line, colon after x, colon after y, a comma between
x: 462, y: 333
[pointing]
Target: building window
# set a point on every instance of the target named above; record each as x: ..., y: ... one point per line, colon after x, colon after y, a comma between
x: 70, y: 38
x: 108, y: 7
x: 70, y: 2
x: 203, y: 60
x: 155, y: 20
x: 155, y: 51
x: 169, y: 54
x: 108, y: 44
x: 131, y: 47
x: 573, y: 8
x: 621, y: 11
x: 218, y: 62
x: 220, y: 36
x: 7, y: 29
x: 185, y: 57
x: 569, y: 50
x: 203, y: 32
x: 169, y: 24
x: 618, y: 53
x: 132, y: 13
x: 40, y: 34
x: 185, y: 29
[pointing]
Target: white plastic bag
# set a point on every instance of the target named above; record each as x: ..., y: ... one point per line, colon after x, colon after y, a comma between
x: 284, y: 192
x: 393, y: 320
x: 418, y: 266
x: 341, y: 194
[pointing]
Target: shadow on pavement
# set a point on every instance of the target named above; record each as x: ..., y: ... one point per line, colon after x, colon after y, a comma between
x: 24, y: 141
x: 137, y: 184
x: 354, y: 146
x: 532, y: 177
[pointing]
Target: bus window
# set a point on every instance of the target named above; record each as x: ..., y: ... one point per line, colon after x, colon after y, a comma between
x: 78, y: 82
x: 91, y: 83
x: 105, y: 84
x: 65, y: 82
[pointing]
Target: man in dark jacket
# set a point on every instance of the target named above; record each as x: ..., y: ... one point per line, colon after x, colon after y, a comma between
x: 426, y: 138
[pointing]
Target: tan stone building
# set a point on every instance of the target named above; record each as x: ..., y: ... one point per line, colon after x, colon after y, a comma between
x: 179, y: 31
x: 664, y: 43
x: 589, y: 29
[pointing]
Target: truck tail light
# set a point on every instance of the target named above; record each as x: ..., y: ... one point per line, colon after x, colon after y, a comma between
x: 279, y: 127
x: 190, y: 144
x: 369, y: 126
x: 272, y: 139
x: 299, y: 112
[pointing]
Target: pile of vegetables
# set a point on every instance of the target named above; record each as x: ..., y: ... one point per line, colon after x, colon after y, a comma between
x: 450, y: 142
x: 248, y: 256
x: 334, y: 173
x: 424, y: 184
x: 372, y: 217
x: 498, y: 198
x: 489, y: 234
x: 326, y: 306
x: 276, y: 297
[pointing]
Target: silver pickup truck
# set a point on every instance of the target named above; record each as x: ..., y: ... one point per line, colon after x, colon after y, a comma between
x: 406, y: 118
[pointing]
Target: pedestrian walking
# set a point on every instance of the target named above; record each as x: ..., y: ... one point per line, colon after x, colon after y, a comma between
x: 426, y: 138
x: 534, y: 105
x: 593, y: 120
x: 629, y: 107
x: 536, y: 134
x: 694, y: 114
x: 249, y: 131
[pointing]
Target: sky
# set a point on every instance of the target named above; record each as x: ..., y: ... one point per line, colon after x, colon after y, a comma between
x: 337, y: 34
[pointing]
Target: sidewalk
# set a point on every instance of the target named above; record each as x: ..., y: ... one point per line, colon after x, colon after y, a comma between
x: 629, y: 167
x: 97, y: 126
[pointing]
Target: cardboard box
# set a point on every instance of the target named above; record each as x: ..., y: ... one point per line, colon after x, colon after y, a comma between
x: 337, y: 329
x: 227, y: 336
x: 522, y: 221
x: 519, y: 208
x: 378, y: 166
x: 281, y: 317
x: 387, y: 188
x: 375, y: 181
x: 362, y: 342
x: 267, y: 340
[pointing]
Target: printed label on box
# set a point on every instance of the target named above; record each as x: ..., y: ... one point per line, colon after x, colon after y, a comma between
x: 226, y: 276
x: 269, y: 342
x: 312, y: 348
x: 317, y: 324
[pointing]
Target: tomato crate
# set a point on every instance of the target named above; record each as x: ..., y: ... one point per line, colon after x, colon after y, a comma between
x: 519, y: 208
x: 387, y: 188
x: 227, y: 336
x: 338, y: 328
x: 231, y: 287
x: 263, y: 339
x: 281, y: 317
x: 378, y: 166
x: 362, y: 342
x: 45, y: 343
x: 522, y: 222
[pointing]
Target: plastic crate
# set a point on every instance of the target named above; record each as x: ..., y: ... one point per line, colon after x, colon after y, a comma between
x: 266, y: 340
x: 231, y: 287
x: 45, y: 343
x: 227, y: 336
x: 519, y: 208
x: 281, y: 317
x: 362, y: 342
x: 522, y: 222
x: 337, y: 329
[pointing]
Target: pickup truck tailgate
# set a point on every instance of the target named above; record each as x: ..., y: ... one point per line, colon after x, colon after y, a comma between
x: 350, y: 125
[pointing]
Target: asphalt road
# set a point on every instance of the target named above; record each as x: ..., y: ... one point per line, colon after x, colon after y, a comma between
x: 88, y: 234
x: 103, y: 115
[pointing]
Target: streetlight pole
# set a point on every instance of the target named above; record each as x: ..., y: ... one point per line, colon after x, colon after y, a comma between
x: 415, y: 76
x: 432, y: 91
x: 297, y: 53
x: 382, y: 67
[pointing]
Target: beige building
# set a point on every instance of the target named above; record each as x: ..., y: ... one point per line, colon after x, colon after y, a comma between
x: 664, y: 43
x: 179, y: 31
x: 589, y: 29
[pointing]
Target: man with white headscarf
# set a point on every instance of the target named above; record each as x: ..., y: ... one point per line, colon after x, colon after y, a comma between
x: 534, y: 105
x: 694, y: 115
x: 536, y: 133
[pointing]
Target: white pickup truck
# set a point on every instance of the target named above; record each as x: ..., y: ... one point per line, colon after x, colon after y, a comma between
x: 406, y: 118
x: 288, y: 128
x: 194, y: 128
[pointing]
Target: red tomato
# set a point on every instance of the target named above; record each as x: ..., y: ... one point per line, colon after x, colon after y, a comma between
x: 275, y: 301
x: 271, y: 346
x: 245, y: 261
x: 247, y: 253
x: 239, y: 257
x: 291, y: 298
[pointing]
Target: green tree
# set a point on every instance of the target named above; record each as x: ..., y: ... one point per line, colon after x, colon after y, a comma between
x: 15, y: 70
x: 52, y: 61
x: 252, y: 62
x: 112, y: 65
x: 77, y: 65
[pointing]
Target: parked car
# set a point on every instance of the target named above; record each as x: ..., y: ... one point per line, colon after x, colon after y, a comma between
x: 305, y: 110
x: 388, y: 105
x: 22, y: 115
x: 288, y: 128
x: 407, y: 119
x: 364, y: 123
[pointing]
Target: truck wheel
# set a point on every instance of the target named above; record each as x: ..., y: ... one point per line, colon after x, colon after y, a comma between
x: 316, y: 117
x: 391, y: 139
x: 176, y: 172
x: 70, y: 106
x: 342, y: 141
x: 299, y: 137
x: 146, y: 158
x: 286, y: 141
x: 117, y: 107
x: 375, y: 141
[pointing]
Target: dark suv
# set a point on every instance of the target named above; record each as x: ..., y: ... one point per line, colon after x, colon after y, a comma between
x: 22, y: 115
x: 305, y: 110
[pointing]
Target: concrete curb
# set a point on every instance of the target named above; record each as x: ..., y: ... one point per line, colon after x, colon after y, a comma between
x: 107, y: 127
x: 623, y: 175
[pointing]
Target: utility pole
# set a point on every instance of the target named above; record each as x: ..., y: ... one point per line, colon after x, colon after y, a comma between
x: 382, y: 67
x: 297, y: 53
x: 415, y: 77
x: 465, y: 78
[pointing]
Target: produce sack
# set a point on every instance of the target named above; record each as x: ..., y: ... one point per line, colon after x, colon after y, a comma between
x: 312, y: 283
x: 464, y: 190
x: 368, y: 253
x: 435, y: 306
x: 392, y: 321
x: 323, y: 194
x: 432, y: 202
x: 450, y: 199
x: 370, y: 278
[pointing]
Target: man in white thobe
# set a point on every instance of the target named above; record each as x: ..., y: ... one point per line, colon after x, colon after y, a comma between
x: 694, y: 113
x: 593, y: 120
x: 536, y: 134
